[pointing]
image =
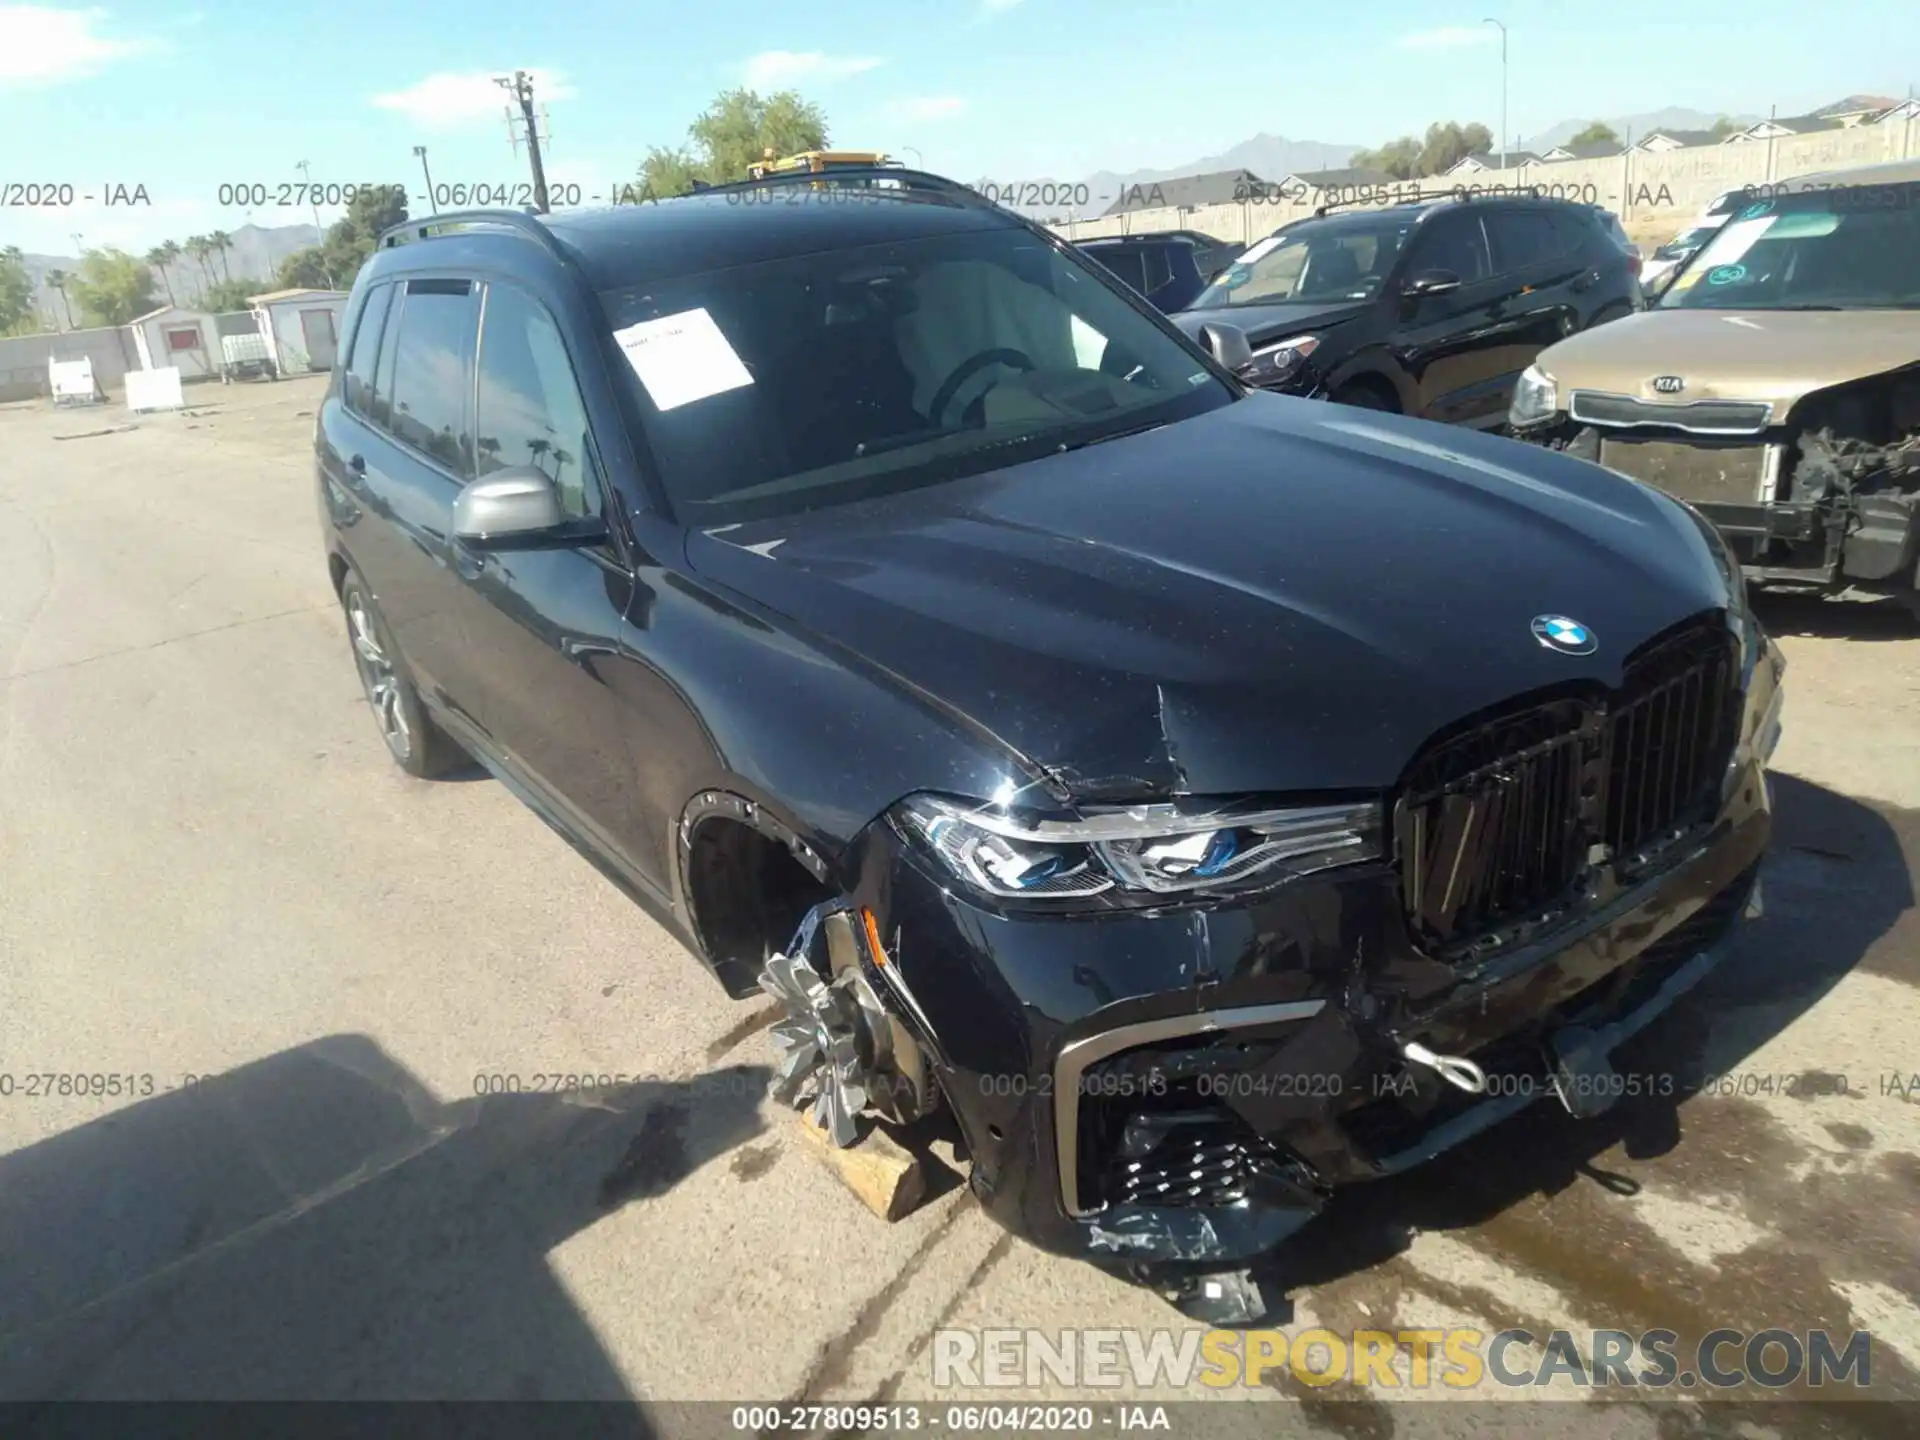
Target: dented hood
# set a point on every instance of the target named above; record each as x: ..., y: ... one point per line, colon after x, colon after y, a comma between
x: 1776, y: 356
x: 1277, y: 595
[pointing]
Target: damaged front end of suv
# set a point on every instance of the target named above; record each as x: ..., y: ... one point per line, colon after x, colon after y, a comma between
x: 1171, y: 1027
x: 1776, y: 388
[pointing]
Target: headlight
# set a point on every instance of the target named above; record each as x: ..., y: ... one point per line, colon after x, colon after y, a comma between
x: 1273, y: 363
x: 1141, y: 850
x: 1535, y: 397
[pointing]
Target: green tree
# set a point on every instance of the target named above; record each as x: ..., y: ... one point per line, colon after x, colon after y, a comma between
x: 157, y: 258
x: 303, y: 270
x: 1725, y: 126
x: 112, y: 287
x: 351, y: 238
x: 1598, y: 133
x: 1446, y: 143
x: 739, y: 128
x: 16, y: 289
x: 226, y: 295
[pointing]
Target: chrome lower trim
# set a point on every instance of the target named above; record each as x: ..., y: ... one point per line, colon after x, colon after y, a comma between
x: 1078, y: 1056
x: 1665, y: 413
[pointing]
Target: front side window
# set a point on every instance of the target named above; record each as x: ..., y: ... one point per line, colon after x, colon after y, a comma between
x: 528, y: 409
x: 1856, y: 248
x: 1452, y: 243
x: 1345, y: 259
x: 433, y: 371
x: 817, y: 379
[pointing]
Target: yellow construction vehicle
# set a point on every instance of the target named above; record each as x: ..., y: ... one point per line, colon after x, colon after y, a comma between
x: 819, y: 160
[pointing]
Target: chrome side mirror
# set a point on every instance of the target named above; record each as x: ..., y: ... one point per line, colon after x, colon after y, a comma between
x: 508, y: 507
x: 1227, y: 344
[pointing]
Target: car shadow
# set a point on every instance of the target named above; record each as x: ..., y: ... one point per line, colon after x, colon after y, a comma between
x: 1827, y: 617
x: 317, y: 1226
x: 1836, y: 881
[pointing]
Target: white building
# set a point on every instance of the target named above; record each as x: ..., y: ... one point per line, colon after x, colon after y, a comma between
x: 301, y: 327
x: 175, y: 335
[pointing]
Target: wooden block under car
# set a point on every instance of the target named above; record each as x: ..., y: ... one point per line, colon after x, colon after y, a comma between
x: 887, y: 1178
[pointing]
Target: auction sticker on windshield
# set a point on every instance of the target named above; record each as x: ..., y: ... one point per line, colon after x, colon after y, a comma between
x: 682, y: 358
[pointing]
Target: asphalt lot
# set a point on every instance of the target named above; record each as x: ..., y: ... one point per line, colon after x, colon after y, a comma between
x: 208, y: 867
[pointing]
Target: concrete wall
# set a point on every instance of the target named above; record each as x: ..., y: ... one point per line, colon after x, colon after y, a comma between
x: 1652, y: 194
x: 23, y: 359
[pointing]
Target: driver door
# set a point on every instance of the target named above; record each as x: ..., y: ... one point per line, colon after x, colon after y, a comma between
x: 1449, y: 343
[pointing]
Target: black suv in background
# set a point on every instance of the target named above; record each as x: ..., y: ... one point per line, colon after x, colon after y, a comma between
x: 1183, y: 784
x: 1169, y: 267
x: 1431, y: 308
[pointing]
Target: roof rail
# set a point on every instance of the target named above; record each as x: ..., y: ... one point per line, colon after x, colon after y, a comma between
x: 1457, y: 193
x: 908, y: 179
x: 521, y: 222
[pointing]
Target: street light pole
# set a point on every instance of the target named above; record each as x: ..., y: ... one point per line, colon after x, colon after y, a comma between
x: 320, y: 236
x: 421, y: 151
x: 1503, y: 88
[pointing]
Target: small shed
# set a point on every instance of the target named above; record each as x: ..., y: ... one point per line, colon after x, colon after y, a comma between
x: 177, y: 336
x: 301, y: 327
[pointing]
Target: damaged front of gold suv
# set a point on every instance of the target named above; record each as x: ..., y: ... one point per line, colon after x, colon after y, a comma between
x: 1776, y: 388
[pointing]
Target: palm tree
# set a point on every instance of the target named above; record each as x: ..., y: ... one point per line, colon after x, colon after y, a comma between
x: 198, y: 247
x: 222, y: 242
x: 157, y: 258
x: 57, y: 280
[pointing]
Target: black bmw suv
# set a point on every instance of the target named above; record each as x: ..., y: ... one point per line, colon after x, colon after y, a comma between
x: 1431, y: 308
x: 1212, y: 798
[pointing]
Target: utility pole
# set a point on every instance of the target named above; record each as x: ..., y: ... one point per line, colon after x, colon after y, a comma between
x: 521, y: 88
x: 421, y: 151
x: 1503, y: 88
x: 320, y: 236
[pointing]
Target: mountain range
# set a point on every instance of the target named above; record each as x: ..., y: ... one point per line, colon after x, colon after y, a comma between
x: 256, y: 252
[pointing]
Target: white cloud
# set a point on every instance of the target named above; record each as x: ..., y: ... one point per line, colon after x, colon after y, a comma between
x: 930, y: 107
x: 43, y: 46
x: 1449, y: 37
x: 448, y: 102
x: 772, y: 69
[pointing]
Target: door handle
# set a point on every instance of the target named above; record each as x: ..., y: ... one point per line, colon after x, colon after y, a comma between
x: 467, y: 563
x: 581, y: 651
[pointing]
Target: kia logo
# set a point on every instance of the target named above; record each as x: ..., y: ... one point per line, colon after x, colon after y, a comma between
x: 1668, y: 384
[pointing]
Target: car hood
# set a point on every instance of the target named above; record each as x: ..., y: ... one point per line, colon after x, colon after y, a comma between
x: 1776, y: 356
x: 1278, y: 595
x: 1270, y: 322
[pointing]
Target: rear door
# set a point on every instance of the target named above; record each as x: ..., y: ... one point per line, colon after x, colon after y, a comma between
x: 1537, y: 262
x: 397, y: 455
x: 1448, y: 343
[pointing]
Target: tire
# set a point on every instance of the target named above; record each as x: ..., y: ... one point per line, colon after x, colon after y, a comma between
x: 1365, y: 397
x: 417, y: 745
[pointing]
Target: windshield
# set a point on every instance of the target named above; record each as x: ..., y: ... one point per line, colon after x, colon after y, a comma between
x: 772, y: 388
x: 1688, y: 241
x: 1346, y: 259
x: 1838, y: 249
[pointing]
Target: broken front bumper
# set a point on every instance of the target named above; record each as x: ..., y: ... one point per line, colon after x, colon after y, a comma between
x: 1190, y: 1084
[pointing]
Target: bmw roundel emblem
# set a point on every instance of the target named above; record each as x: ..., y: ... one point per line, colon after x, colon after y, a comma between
x: 1568, y: 636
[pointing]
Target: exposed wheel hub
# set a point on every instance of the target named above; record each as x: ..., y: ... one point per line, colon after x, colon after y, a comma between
x: 837, y: 1042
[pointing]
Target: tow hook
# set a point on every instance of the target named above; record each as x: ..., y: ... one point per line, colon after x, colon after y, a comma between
x: 1456, y: 1070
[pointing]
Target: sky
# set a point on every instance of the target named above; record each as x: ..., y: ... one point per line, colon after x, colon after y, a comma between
x: 182, y: 99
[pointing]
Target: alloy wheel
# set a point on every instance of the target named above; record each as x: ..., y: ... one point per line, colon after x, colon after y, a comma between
x: 378, y: 677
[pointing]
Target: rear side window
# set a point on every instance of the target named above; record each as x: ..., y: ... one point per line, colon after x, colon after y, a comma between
x: 433, y: 371
x: 1158, y: 264
x: 1125, y: 263
x: 366, y: 349
x: 530, y: 411
x: 1521, y: 239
